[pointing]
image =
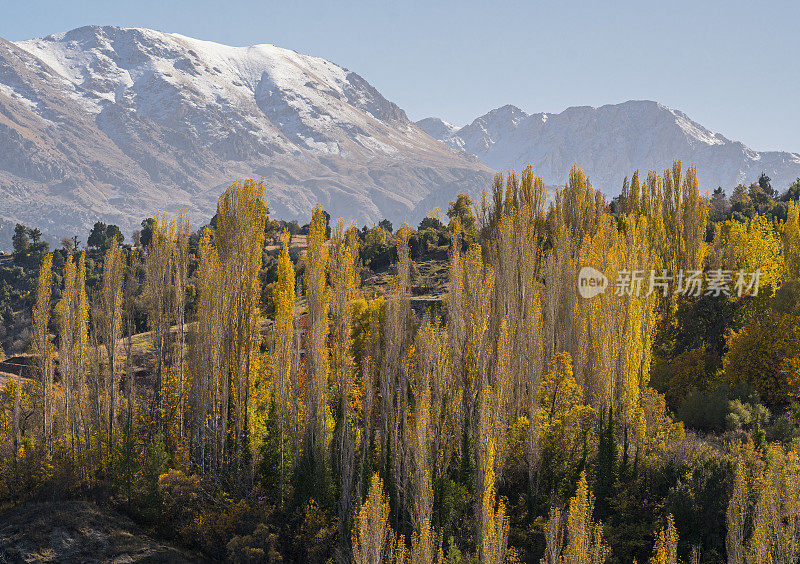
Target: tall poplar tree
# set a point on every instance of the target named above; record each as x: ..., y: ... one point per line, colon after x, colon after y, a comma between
x: 318, y: 298
x: 110, y: 318
x: 42, y: 346
x: 284, y: 299
x: 241, y: 217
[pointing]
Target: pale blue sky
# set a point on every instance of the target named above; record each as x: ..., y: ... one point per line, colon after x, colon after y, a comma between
x: 732, y: 66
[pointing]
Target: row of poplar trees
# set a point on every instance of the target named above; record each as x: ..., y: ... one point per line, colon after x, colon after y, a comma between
x: 368, y: 403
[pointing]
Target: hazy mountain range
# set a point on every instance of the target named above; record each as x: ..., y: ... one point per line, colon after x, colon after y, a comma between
x: 114, y: 124
x: 609, y: 143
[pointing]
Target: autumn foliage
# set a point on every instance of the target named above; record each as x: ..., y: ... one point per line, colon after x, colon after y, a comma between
x: 279, y: 407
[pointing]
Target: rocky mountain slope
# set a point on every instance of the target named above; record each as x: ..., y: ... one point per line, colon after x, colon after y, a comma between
x: 113, y: 123
x: 609, y: 143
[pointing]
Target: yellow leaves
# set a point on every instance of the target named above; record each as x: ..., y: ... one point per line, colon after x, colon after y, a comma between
x: 318, y: 297
x: 229, y: 316
x: 694, y: 216
x: 367, y: 317
x: 584, y: 538
x: 343, y: 292
x: 420, y: 435
x: 577, y: 206
x: 42, y: 345
x: 72, y: 312
x: 170, y: 391
x: 559, y: 393
x: 631, y: 203
x: 665, y: 550
x: 676, y: 214
x: 791, y: 241
x: 7, y: 398
x: 241, y: 214
x: 210, y: 310
x: 371, y: 533
x: 754, y: 245
x: 562, y: 413
x: 41, y: 311
x: 316, y: 239
x: 772, y: 483
x: 655, y: 430
x: 65, y: 305
x: 477, y: 286
x: 516, y: 441
x: 424, y: 545
x: 494, y: 521
x: 111, y: 295
x: 81, y: 324
x: 318, y: 260
x: 766, y: 354
x: 611, y: 353
x: 285, y: 288
x: 284, y: 299
x: 736, y: 515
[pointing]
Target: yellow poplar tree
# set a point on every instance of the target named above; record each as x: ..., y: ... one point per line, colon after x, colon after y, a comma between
x: 394, y: 371
x: 241, y: 216
x: 284, y: 297
x: 584, y: 537
x: 111, y: 312
x: 318, y: 296
x: 426, y: 357
x: 776, y: 516
x: 180, y: 279
x: 665, y: 550
x: 210, y: 388
x: 81, y: 342
x: 158, y: 280
x: 343, y: 292
x: 42, y: 345
x: 494, y: 520
x: 736, y: 515
x: 372, y: 534
x: 750, y: 246
x: 67, y: 316
x: 791, y: 241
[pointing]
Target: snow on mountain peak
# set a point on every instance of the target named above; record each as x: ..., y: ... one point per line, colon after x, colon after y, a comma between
x: 115, y: 123
x: 307, y: 96
x: 611, y: 141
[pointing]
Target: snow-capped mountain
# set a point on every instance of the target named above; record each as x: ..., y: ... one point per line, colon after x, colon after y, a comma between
x: 114, y: 124
x: 439, y: 129
x: 609, y: 143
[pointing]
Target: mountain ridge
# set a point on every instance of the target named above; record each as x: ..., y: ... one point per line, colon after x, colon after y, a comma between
x: 113, y: 124
x: 609, y: 142
x: 116, y: 123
